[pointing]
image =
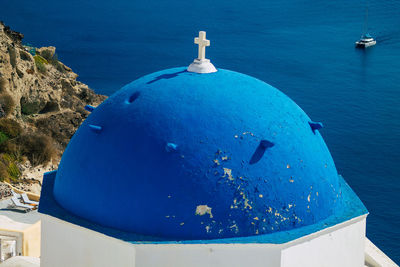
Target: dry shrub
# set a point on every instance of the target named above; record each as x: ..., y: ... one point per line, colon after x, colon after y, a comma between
x: 24, y: 55
x: 47, y: 54
x: 37, y: 148
x: 51, y: 59
x: 11, y: 147
x: 50, y: 107
x: 54, y: 61
x: 30, y: 106
x: 10, y: 127
x: 60, y: 67
x: 6, y: 103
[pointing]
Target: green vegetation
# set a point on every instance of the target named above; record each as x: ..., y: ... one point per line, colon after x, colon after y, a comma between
x: 12, y: 170
x: 39, y: 58
x: 9, y: 171
x: 16, y: 146
x: 3, y: 137
x: 40, y: 63
x: 6, y: 103
x: 10, y: 128
x: 4, y: 175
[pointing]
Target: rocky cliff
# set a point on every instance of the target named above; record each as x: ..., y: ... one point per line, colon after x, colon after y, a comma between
x: 41, y: 106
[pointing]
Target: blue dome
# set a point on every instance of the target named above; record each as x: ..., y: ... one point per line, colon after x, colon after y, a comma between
x: 186, y: 156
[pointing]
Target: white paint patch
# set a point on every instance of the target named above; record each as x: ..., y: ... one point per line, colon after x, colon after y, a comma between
x: 203, y: 210
x: 228, y: 174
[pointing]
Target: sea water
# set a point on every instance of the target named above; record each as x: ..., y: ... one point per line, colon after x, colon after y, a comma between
x: 303, y: 47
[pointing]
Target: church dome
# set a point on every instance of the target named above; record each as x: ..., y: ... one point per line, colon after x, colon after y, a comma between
x: 185, y: 156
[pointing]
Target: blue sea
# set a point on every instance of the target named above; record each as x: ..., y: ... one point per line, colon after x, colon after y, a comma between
x: 303, y: 47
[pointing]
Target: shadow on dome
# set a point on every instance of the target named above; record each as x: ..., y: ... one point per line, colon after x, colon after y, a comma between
x: 259, y: 153
x: 166, y: 76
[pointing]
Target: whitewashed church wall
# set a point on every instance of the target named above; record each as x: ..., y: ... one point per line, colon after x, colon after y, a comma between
x: 343, y: 247
x: 65, y: 244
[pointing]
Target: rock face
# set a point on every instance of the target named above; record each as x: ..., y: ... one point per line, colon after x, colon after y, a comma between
x: 40, y: 92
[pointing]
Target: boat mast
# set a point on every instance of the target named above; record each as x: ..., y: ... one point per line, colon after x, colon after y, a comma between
x: 366, y: 20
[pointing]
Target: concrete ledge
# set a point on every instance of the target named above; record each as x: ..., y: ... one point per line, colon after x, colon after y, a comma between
x: 374, y: 257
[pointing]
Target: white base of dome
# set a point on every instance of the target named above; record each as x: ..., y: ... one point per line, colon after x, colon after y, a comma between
x: 201, y: 66
x: 65, y: 244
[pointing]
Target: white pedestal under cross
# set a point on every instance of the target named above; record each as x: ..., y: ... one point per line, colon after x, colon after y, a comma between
x: 201, y: 64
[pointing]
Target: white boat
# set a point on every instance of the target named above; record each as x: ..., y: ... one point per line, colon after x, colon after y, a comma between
x: 366, y: 39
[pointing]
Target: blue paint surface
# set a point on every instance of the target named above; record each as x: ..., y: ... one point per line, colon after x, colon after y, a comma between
x: 178, y: 161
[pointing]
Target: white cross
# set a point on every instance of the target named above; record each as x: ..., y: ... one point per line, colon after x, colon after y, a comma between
x: 202, y: 42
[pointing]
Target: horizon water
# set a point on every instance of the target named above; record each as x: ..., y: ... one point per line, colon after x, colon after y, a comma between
x: 303, y: 48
